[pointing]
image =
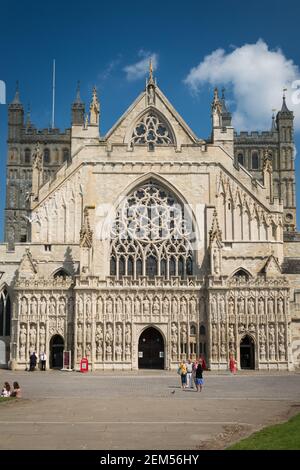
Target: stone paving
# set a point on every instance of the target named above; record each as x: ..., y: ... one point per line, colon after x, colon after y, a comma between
x: 142, y: 410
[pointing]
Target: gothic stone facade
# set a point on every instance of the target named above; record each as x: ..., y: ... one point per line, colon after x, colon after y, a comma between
x: 152, y: 227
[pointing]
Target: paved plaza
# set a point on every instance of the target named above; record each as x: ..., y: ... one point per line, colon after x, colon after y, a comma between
x: 142, y: 410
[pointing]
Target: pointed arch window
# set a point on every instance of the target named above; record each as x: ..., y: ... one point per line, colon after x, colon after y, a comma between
x: 151, y: 235
x: 240, y: 158
x: 5, y: 313
x: 254, y: 161
x: 151, y: 129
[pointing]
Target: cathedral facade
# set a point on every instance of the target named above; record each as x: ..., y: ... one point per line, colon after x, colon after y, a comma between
x: 150, y: 245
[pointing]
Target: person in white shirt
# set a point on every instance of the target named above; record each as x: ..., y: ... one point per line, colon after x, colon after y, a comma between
x: 43, y: 359
x: 189, y: 368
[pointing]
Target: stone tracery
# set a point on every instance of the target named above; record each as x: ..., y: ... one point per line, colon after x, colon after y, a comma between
x: 151, y: 235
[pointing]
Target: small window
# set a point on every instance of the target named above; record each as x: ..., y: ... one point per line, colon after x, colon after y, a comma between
x: 27, y: 155
x: 23, y: 238
x: 254, y: 161
x: 47, y: 247
x: 193, y: 330
x: 202, y: 330
x: 46, y: 156
x: 65, y: 155
x: 240, y: 159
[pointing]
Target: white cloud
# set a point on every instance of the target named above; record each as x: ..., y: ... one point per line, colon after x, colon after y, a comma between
x: 140, y: 68
x: 256, y: 76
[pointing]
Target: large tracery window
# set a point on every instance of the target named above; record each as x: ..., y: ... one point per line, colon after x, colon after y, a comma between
x: 152, y: 130
x: 151, y: 235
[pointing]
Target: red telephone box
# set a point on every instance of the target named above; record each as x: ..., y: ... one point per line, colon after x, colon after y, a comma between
x: 84, y: 365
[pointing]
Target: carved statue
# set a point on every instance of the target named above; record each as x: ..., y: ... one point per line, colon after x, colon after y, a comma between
x: 61, y: 308
x: 222, y: 308
x: 214, y: 351
x: 231, y: 334
x: 43, y: 306
x: 99, y: 306
x: 33, y: 307
x: 24, y: 309
x: 23, y: 335
x: 193, y: 305
x: 108, y: 335
x: 280, y: 306
x: 241, y: 306
x: 252, y: 328
x: 88, y: 309
x: 216, y: 262
x: 174, y: 335
x: 146, y: 306
x: 183, y: 334
x: 52, y: 306
x: 251, y: 307
x: 270, y: 306
x: 88, y: 333
x: 119, y: 335
x: 271, y: 334
x: 128, y: 308
x: 79, y: 334
x: 281, y: 334
x: 165, y: 306
x: 32, y: 337
x: 37, y: 158
x: 137, y: 306
x: 262, y: 334
x: 262, y: 351
x: 42, y: 337
x: 119, y: 351
x: 261, y: 306
x: 272, y: 351
x: 99, y: 335
x: 223, y: 333
x: 156, y: 307
x: 214, y: 334
x: 183, y: 308
x: 231, y: 306
x: 281, y: 350
x: 174, y: 306
x: 213, y: 308
x: 128, y: 334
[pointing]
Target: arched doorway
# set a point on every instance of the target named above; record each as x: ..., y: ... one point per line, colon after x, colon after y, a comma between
x: 247, y: 353
x: 56, y: 352
x: 151, y: 349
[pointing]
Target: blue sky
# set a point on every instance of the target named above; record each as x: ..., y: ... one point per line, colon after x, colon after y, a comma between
x: 95, y: 41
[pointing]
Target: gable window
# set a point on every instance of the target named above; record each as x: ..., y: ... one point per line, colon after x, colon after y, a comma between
x: 152, y: 130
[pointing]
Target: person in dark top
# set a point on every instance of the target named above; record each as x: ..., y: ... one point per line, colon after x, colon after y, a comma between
x: 32, y: 362
x: 199, y: 377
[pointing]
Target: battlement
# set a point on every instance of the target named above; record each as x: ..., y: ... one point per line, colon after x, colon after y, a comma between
x: 254, y: 136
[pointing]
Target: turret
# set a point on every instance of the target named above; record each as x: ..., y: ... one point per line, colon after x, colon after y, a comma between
x: 78, y: 110
x: 222, y: 131
x: 15, y: 117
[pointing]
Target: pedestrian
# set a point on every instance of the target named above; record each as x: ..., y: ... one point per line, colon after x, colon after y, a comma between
x: 232, y: 365
x: 204, y: 367
x: 195, y: 365
x: 183, y: 373
x: 189, y: 374
x: 16, y: 390
x: 43, y: 359
x: 6, y: 391
x: 32, y: 361
x: 199, y: 377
